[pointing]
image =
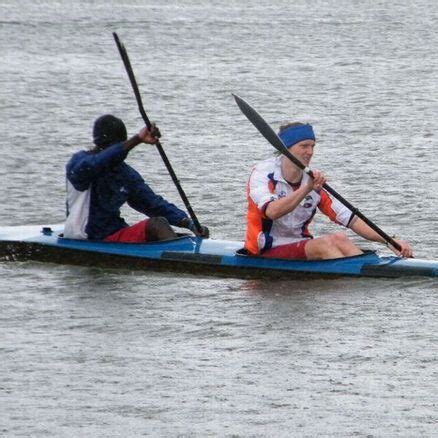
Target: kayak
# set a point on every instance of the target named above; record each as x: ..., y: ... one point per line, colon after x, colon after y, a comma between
x: 194, y: 255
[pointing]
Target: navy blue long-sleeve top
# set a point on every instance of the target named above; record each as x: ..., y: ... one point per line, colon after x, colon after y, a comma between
x: 98, y: 184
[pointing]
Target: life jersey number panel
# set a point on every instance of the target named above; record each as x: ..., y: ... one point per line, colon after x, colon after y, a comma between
x: 266, y: 184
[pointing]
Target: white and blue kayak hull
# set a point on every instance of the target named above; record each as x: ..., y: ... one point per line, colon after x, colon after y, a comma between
x: 194, y: 255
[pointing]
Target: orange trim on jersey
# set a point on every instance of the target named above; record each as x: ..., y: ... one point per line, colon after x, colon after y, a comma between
x: 254, y: 220
x: 325, y: 205
x: 253, y: 227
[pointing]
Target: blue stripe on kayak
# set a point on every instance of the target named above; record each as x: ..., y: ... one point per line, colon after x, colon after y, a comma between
x: 211, y: 252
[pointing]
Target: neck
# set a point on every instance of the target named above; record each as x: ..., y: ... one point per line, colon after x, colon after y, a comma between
x: 290, y: 172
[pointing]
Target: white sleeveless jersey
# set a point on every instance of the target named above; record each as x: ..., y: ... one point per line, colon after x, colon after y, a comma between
x: 78, y: 207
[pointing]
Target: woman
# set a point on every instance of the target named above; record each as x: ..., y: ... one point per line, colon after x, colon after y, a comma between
x: 282, y: 201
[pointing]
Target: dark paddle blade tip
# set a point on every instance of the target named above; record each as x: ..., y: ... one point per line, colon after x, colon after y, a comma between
x: 119, y: 43
x: 247, y: 110
x: 240, y: 102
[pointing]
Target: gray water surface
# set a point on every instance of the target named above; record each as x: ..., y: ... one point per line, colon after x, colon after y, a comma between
x: 107, y: 352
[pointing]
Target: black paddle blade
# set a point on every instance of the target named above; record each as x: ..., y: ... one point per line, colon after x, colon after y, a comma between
x: 262, y: 126
x: 257, y: 120
x: 123, y: 53
x: 131, y: 76
x: 118, y: 42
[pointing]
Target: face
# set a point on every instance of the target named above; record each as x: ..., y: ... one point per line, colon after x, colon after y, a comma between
x: 303, y: 150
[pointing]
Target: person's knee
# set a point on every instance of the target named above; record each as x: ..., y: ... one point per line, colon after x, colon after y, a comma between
x: 338, y: 239
x: 332, y: 244
x: 158, y: 228
x: 330, y: 240
x: 158, y: 222
x: 321, y: 248
x: 342, y: 243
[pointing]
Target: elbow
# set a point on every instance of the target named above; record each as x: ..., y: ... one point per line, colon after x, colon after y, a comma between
x: 271, y: 214
x: 273, y: 217
x: 74, y: 177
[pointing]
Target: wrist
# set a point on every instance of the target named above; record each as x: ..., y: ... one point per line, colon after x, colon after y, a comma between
x: 186, y: 223
x: 131, y: 142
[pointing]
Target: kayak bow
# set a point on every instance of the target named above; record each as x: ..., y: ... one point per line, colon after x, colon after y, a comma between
x: 194, y: 255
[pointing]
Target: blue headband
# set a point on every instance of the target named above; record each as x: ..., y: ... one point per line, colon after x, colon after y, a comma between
x: 295, y: 134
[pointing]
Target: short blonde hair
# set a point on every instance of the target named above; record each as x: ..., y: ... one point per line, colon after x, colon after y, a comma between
x: 289, y: 125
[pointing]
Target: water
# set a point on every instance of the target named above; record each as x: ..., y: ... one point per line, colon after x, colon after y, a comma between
x: 92, y: 352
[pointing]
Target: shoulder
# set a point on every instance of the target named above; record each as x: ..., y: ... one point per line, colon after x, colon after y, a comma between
x: 266, y: 167
x: 269, y: 163
x: 78, y: 156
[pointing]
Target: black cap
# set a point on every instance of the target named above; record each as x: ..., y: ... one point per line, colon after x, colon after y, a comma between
x: 108, y: 130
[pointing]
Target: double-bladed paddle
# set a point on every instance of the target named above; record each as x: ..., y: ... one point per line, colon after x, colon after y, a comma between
x: 128, y: 67
x: 257, y: 120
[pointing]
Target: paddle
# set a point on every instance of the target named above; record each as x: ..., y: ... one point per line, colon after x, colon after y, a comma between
x: 270, y: 135
x: 128, y: 67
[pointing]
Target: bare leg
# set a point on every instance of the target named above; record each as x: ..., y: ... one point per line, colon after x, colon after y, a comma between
x: 332, y: 246
x: 158, y: 228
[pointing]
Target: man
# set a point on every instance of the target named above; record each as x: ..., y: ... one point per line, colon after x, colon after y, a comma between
x: 282, y: 201
x: 99, y: 182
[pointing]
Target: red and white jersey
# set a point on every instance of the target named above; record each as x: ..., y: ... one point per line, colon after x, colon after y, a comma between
x: 266, y: 184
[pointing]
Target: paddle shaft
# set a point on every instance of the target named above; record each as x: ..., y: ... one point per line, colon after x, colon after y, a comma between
x: 130, y: 72
x: 340, y: 198
x: 270, y: 135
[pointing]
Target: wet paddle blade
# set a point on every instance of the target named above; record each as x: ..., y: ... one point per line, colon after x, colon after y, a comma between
x: 257, y: 120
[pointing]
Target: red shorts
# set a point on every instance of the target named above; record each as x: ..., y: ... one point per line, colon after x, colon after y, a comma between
x: 136, y: 233
x: 294, y: 250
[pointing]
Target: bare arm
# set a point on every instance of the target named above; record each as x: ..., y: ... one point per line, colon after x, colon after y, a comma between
x: 282, y: 206
x: 363, y: 230
x: 145, y: 135
x: 285, y: 205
